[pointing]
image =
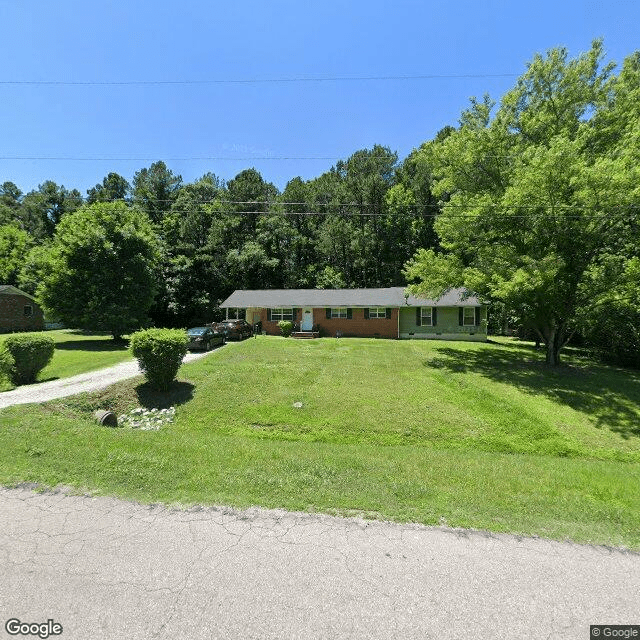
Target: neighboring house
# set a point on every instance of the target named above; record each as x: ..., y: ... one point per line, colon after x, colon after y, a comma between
x: 19, y: 311
x: 383, y: 313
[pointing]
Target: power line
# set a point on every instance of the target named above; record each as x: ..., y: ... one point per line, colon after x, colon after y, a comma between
x: 428, y: 215
x: 150, y: 159
x: 541, y: 211
x: 344, y: 205
x: 109, y: 83
x: 336, y: 158
x: 538, y: 213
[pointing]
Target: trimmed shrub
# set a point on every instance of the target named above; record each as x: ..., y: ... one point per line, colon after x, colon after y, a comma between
x: 6, y: 362
x: 286, y: 326
x: 159, y: 353
x: 31, y: 354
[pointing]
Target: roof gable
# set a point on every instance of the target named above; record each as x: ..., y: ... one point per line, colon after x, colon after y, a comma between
x: 9, y: 289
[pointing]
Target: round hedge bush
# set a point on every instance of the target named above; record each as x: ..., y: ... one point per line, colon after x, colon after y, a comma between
x: 159, y: 353
x: 286, y: 326
x: 31, y: 354
x: 6, y: 362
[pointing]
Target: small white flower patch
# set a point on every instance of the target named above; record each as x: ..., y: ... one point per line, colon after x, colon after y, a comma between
x: 147, y: 419
x: 297, y: 405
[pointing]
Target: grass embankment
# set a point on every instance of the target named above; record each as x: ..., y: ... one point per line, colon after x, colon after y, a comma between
x: 78, y: 352
x: 467, y: 434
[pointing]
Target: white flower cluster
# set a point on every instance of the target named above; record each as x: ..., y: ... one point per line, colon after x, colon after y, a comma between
x: 147, y: 419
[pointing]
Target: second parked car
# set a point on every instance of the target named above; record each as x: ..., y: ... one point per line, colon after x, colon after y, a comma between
x: 204, y: 338
x: 235, y: 329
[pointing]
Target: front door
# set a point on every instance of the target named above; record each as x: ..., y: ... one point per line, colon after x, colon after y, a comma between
x: 307, y: 319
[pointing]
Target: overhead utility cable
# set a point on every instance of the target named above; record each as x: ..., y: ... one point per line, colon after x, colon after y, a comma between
x: 433, y: 76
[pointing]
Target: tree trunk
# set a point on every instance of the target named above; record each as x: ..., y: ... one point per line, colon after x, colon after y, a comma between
x: 553, y: 341
x: 539, y: 338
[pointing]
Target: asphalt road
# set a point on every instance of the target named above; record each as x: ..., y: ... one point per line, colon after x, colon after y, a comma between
x: 104, y: 568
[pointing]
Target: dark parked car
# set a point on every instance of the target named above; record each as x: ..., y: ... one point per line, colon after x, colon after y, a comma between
x: 235, y: 329
x: 204, y: 338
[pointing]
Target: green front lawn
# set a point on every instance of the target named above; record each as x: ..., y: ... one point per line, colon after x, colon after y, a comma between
x: 467, y: 434
x: 78, y: 352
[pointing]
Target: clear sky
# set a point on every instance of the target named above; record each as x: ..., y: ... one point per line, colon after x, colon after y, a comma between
x: 260, y: 121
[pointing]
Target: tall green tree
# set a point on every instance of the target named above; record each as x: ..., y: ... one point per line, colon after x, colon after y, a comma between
x: 43, y: 208
x: 191, y: 285
x: 247, y: 200
x: 249, y: 195
x: 336, y: 247
x: 113, y: 187
x: 10, y: 203
x: 351, y: 235
x: 331, y: 231
x: 531, y: 219
x: 155, y: 189
x: 416, y: 204
x: 297, y: 207
x: 368, y: 175
x: 33, y: 267
x: 15, y: 244
x: 283, y: 244
x: 101, y: 269
x: 187, y: 224
x: 250, y: 266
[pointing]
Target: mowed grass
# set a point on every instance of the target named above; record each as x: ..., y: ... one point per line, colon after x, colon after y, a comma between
x: 77, y: 352
x: 464, y: 434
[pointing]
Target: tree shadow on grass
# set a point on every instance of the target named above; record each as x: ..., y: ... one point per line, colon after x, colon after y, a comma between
x: 87, y: 332
x: 49, y: 379
x: 610, y: 396
x: 178, y: 393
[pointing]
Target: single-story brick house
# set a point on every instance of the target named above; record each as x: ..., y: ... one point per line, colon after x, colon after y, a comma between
x: 19, y: 311
x: 383, y: 313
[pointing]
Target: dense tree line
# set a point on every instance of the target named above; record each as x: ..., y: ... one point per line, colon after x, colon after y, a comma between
x: 353, y: 226
x: 532, y: 205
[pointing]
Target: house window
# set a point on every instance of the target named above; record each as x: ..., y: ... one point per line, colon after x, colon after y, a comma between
x: 28, y: 310
x: 426, y: 316
x: 339, y: 312
x: 235, y: 314
x: 469, y: 317
x: 281, y: 314
x: 377, y: 312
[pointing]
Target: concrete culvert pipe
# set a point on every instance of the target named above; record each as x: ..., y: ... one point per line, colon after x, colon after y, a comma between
x: 106, y: 418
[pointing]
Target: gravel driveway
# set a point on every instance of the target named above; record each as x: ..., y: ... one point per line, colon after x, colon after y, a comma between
x: 90, y: 381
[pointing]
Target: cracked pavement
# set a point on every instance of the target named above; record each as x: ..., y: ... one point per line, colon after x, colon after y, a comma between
x: 107, y: 568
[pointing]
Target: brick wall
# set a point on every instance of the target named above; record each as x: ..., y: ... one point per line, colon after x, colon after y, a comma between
x: 356, y: 326
x: 12, y: 317
x: 272, y: 328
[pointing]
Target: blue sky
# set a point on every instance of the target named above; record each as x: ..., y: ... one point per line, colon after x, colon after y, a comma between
x: 259, y: 123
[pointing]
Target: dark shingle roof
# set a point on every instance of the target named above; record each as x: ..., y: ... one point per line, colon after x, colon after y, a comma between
x: 10, y: 289
x: 387, y: 297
